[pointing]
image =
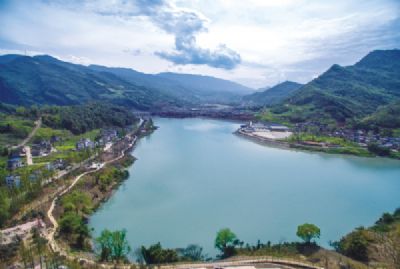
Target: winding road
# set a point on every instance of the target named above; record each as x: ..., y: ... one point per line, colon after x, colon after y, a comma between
x: 38, y: 124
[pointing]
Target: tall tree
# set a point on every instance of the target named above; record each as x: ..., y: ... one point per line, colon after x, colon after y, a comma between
x: 307, y: 232
x: 226, y: 241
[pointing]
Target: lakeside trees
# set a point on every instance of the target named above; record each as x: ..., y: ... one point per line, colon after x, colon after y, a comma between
x: 113, y: 245
x: 226, y: 242
x: 308, y: 232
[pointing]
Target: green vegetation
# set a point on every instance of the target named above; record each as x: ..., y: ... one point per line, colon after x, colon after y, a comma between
x: 13, y: 129
x: 46, y: 80
x: 83, y: 118
x: 73, y: 227
x: 379, y: 243
x: 348, y: 94
x: 109, y: 176
x: 113, y: 246
x: 155, y: 254
x: 271, y: 96
x: 78, y: 202
x: 226, y: 242
x: 308, y: 232
x: 378, y: 150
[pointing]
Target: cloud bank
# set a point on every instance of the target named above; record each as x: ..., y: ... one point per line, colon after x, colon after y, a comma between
x: 255, y: 42
x: 184, y: 24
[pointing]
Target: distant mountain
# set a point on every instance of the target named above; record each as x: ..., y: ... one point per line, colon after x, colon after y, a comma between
x: 47, y: 80
x: 342, y: 94
x: 208, y: 88
x: 271, y: 96
x: 150, y: 81
x: 190, y: 88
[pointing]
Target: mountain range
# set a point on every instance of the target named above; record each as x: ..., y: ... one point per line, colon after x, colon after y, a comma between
x: 46, y: 80
x: 345, y: 94
x: 366, y: 92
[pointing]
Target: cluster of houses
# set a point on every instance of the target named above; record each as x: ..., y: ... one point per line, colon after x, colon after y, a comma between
x: 106, y: 136
x: 45, y: 147
x: 364, y: 138
x: 361, y: 137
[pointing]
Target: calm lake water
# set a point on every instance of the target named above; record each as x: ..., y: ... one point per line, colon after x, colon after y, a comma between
x: 194, y: 177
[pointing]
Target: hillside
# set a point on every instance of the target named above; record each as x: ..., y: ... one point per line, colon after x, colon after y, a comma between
x: 377, y: 246
x: 386, y: 116
x: 342, y: 94
x: 189, y: 88
x: 208, y: 88
x: 153, y: 82
x: 46, y: 80
x: 271, y: 96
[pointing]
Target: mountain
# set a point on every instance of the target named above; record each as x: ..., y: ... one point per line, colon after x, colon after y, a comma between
x: 154, y: 82
x: 46, y: 80
x: 271, y: 96
x: 343, y: 94
x: 208, y: 88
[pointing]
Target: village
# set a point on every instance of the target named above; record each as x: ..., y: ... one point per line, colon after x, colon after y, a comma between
x: 25, y: 156
x: 361, y: 137
x: 282, y: 135
x: 108, y: 146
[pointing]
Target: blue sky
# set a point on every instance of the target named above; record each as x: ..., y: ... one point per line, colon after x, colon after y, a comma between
x: 253, y: 42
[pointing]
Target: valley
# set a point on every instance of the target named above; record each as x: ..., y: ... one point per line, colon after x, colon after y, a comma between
x: 62, y: 122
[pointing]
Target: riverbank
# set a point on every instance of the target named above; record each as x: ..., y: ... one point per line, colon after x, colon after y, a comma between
x: 95, y: 187
x: 312, y: 146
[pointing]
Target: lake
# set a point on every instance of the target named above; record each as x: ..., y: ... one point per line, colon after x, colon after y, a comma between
x: 194, y: 177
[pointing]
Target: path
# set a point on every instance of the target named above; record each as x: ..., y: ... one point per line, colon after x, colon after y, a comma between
x: 50, y: 236
x: 28, y: 155
x: 38, y: 124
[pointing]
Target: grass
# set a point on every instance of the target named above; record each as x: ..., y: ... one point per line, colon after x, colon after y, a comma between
x: 346, y: 147
x: 66, y: 147
x: 20, y: 128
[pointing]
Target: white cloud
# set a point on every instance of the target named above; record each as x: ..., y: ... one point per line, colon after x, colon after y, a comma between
x: 276, y: 40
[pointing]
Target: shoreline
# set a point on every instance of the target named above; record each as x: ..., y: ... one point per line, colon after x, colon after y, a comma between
x: 305, y: 148
x: 53, y: 215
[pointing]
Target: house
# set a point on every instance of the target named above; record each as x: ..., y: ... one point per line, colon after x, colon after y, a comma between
x: 109, y: 135
x: 41, y: 149
x: 84, y: 143
x: 278, y: 128
x: 55, y: 139
x: 14, y: 163
x: 59, y: 164
x: 13, y: 181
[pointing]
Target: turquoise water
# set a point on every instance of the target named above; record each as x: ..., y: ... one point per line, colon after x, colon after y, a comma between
x: 194, y: 177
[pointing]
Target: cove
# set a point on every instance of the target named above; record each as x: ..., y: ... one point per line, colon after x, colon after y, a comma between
x: 194, y: 177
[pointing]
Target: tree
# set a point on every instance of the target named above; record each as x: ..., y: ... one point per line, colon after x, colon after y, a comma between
x: 192, y: 253
x: 226, y: 241
x: 307, y: 232
x: 355, y: 244
x: 120, y: 245
x: 104, y: 243
x: 113, y: 245
x: 40, y: 245
x: 155, y: 254
x: 5, y: 203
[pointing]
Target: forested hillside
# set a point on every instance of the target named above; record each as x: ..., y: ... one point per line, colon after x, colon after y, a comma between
x: 46, y: 80
x: 345, y: 94
x: 272, y: 95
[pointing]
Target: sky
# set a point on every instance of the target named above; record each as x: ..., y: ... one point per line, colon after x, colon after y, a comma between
x: 257, y: 43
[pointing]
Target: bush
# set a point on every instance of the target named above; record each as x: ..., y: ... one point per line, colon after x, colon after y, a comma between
x: 355, y: 245
x: 380, y: 151
x: 155, y: 254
